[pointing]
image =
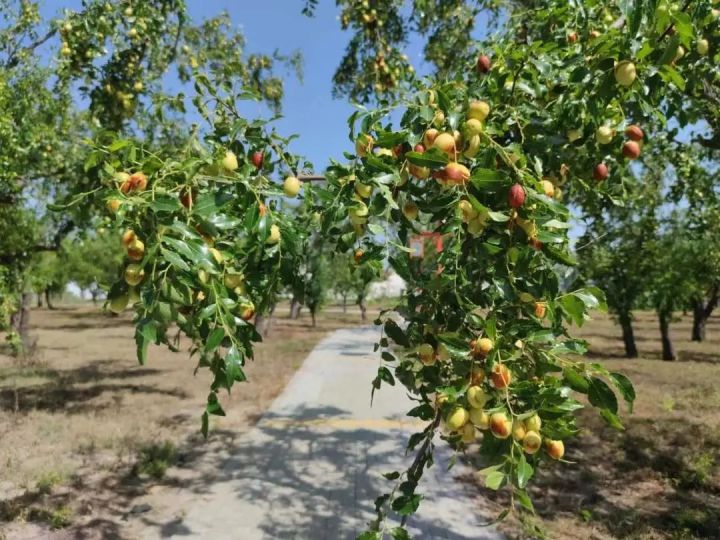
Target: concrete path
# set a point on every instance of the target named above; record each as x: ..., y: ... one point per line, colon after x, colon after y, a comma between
x: 311, y: 468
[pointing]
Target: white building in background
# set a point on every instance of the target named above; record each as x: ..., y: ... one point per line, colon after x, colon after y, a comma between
x: 391, y: 287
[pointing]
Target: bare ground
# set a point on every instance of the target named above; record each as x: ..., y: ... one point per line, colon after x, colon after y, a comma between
x: 84, y: 430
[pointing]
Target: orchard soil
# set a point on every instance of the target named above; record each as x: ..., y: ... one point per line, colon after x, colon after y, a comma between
x: 658, y: 479
x: 85, y: 431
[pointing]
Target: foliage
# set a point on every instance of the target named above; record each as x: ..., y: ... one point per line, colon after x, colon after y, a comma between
x: 491, y: 159
x: 114, y: 56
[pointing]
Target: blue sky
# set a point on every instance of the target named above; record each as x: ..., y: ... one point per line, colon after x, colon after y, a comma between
x: 308, y: 108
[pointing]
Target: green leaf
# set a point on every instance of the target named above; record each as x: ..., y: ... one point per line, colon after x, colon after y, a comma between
x: 524, y: 500
x: 433, y: 159
x: 625, y: 387
x: 670, y: 51
x: 388, y: 139
x: 175, y: 260
x: 385, y: 375
x: 163, y: 203
x: 215, y: 338
x: 611, y: 419
x: 574, y: 308
x: 489, y: 179
x: 399, y: 533
x: 634, y: 16
x: 213, y: 405
x: 145, y: 333
x: 523, y: 471
x: 119, y: 145
x: 494, y: 480
x: 395, y: 333
x: 576, y: 380
x: 560, y: 255
x: 233, y: 368
x: 370, y: 535
x: 671, y: 75
x: 498, y: 217
x: 601, y: 395
x: 211, y: 203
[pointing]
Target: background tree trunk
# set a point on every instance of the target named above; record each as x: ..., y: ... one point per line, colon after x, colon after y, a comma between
x: 625, y: 320
x: 263, y: 321
x: 48, y: 302
x: 667, y: 348
x: 363, y: 307
x: 702, y: 312
x: 39, y: 299
x: 344, y: 298
x: 295, y: 307
x: 20, y: 322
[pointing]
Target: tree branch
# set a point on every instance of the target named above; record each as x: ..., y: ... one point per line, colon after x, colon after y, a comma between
x: 14, y: 59
x: 311, y: 178
x: 672, y: 25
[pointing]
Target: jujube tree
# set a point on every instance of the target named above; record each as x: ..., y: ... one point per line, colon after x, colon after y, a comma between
x: 551, y: 110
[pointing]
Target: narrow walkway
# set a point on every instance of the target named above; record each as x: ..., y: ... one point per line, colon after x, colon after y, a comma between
x: 311, y: 468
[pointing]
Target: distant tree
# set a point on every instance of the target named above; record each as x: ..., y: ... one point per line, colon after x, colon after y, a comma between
x: 93, y: 261
x: 48, y: 276
x: 611, y: 254
x: 342, y: 280
x: 670, y: 280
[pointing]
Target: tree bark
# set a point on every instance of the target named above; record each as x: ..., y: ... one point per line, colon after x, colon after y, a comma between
x: 628, y: 335
x: 264, y: 320
x: 39, y: 300
x: 295, y: 307
x: 20, y: 322
x: 363, y: 308
x: 667, y: 348
x: 48, y: 302
x: 702, y: 312
x: 312, y: 315
x: 344, y: 297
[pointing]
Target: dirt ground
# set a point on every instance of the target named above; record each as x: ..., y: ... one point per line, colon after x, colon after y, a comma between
x: 85, y: 432
x: 84, y: 429
x: 660, y: 478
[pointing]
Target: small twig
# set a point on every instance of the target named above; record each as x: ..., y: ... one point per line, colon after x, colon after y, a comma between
x: 672, y: 25
x: 14, y: 58
x: 415, y: 470
x: 311, y: 178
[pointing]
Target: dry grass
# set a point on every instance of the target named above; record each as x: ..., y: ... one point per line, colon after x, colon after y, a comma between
x: 660, y: 478
x: 82, y: 424
x: 84, y: 431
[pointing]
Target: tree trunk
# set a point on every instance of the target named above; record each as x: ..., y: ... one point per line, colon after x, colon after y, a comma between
x: 313, y: 309
x: 264, y: 320
x: 667, y: 347
x: 39, y: 300
x: 94, y: 294
x: 48, y: 302
x: 344, y: 297
x: 702, y: 312
x: 363, y: 308
x: 628, y: 335
x: 295, y: 307
x: 699, y: 321
x: 20, y: 322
